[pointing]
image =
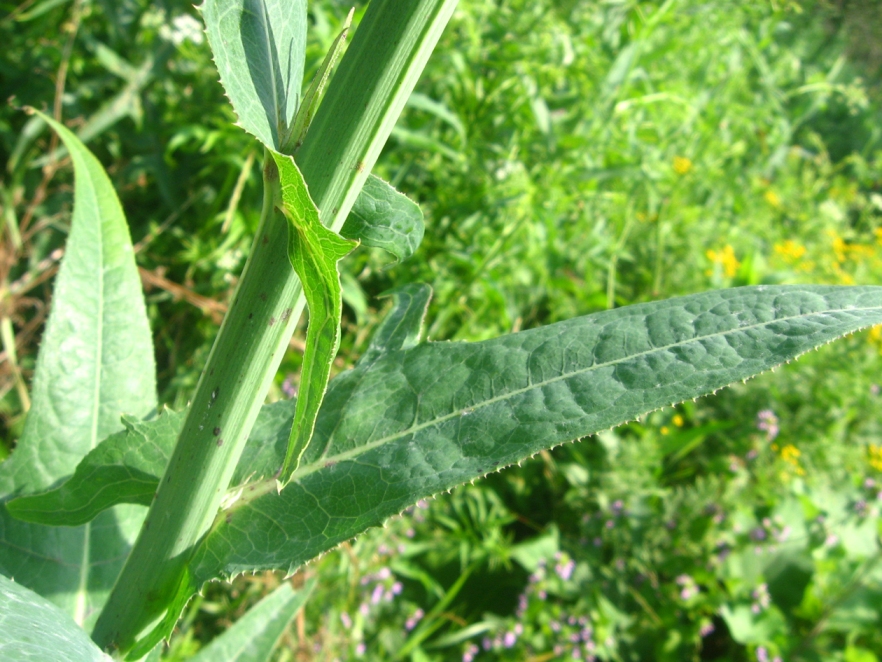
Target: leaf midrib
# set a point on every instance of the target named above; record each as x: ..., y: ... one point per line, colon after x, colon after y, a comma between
x: 262, y: 487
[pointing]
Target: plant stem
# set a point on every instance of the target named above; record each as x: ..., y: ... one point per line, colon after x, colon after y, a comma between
x: 364, y: 99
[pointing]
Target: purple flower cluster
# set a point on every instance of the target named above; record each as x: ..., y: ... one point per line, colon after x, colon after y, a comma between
x: 761, y: 598
x: 768, y: 423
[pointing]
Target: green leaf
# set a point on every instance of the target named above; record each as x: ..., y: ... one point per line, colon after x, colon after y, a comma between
x: 259, y: 47
x: 254, y: 636
x: 402, y: 327
x: 95, y: 363
x: 419, y: 421
x: 384, y: 218
x: 313, y: 97
x: 314, y: 251
x: 32, y: 628
x: 126, y: 467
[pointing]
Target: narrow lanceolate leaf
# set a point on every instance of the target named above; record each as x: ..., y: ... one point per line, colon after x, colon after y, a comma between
x: 314, y: 251
x: 259, y: 48
x: 95, y: 364
x: 384, y: 218
x: 422, y: 420
x: 32, y: 629
x: 126, y: 467
x: 254, y: 636
x: 292, y: 141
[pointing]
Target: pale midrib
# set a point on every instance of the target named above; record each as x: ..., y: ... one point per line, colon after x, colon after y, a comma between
x: 264, y: 18
x: 81, y: 600
x: 262, y: 487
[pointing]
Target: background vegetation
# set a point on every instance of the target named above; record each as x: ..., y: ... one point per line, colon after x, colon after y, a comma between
x: 570, y: 156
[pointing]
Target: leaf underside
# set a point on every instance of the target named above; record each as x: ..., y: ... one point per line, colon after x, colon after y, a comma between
x: 32, y: 629
x: 259, y: 47
x: 95, y: 363
x: 411, y: 420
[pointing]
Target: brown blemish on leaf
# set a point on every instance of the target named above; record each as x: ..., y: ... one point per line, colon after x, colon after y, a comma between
x: 272, y: 321
x: 286, y: 314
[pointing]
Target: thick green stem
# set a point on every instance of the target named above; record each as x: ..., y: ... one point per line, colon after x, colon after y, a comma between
x: 377, y: 74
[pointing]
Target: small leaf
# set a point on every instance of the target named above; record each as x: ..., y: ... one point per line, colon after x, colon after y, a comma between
x: 384, y: 218
x: 401, y: 328
x: 314, y: 251
x: 95, y: 363
x: 419, y: 421
x: 32, y: 628
x: 254, y: 636
x: 259, y: 47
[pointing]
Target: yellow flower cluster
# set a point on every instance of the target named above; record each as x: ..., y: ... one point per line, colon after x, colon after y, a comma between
x: 726, y: 259
x: 682, y: 165
x: 790, y: 251
x: 790, y: 454
x: 874, y: 456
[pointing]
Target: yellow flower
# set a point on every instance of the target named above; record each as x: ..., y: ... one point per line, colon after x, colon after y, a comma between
x: 726, y: 259
x: 664, y: 429
x: 677, y: 420
x: 682, y: 165
x: 874, y: 458
x: 790, y: 250
x: 772, y: 198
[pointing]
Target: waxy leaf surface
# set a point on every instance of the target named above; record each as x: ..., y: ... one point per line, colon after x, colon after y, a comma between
x: 259, y: 48
x: 419, y: 421
x: 95, y: 364
x: 32, y: 629
x: 384, y: 218
x: 314, y: 251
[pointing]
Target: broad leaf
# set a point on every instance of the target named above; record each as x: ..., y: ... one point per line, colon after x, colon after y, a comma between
x: 384, y: 218
x: 32, y: 628
x: 419, y: 421
x: 95, y: 363
x: 259, y: 48
x: 254, y: 636
x: 314, y: 251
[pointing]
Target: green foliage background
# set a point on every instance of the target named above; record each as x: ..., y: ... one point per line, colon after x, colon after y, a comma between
x: 570, y: 156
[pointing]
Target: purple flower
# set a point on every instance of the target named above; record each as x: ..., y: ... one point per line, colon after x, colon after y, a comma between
x: 510, y: 639
x: 768, y: 423
x: 706, y: 629
x: 565, y: 570
x: 413, y: 620
x: 360, y: 649
x: 288, y: 387
x: 762, y: 655
x: 377, y: 594
x: 470, y: 653
x: 344, y: 618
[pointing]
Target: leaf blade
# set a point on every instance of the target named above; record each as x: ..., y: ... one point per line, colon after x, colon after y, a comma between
x: 423, y: 420
x: 259, y: 47
x: 314, y: 251
x: 95, y: 363
x: 384, y: 218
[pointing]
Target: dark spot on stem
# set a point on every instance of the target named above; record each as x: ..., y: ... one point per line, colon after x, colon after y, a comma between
x: 272, y: 320
x: 263, y: 296
x: 265, y: 239
x: 220, y: 442
x: 250, y: 315
x: 216, y: 431
x: 229, y: 517
x: 286, y: 314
